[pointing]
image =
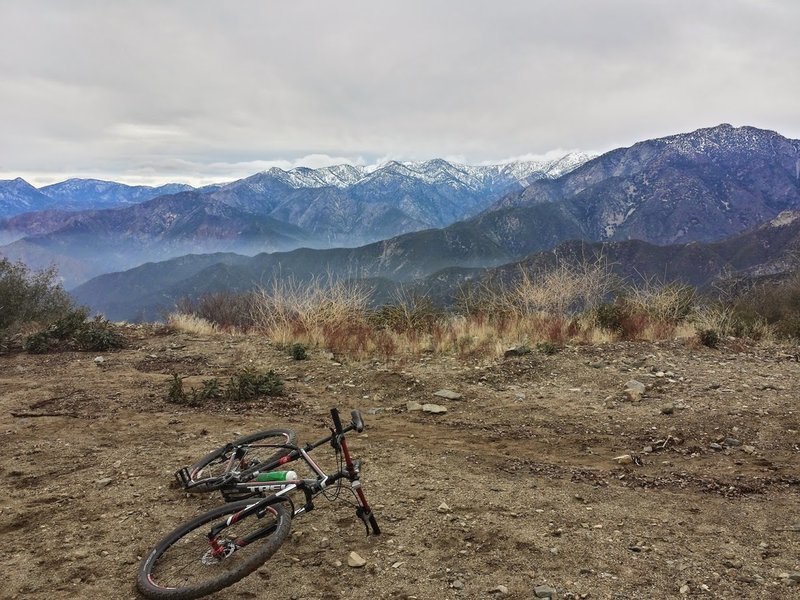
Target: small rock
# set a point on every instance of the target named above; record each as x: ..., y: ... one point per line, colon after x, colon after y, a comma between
x: 104, y: 482
x: 732, y: 442
x: 632, y: 395
x: 625, y: 459
x: 448, y: 395
x: 436, y: 409
x: 375, y: 411
x: 457, y: 585
x: 732, y: 564
x: 749, y: 449
x: 795, y: 577
x: 500, y: 589
x: 715, y: 446
x: 99, y: 360
x: 544, y: 591
x: 413, y: 406
x: 685, y: 589
x: 667, y: 410
x: 636, y: 386
x: 647, y: 449
x: 355, y: 560
x: 443, y: 508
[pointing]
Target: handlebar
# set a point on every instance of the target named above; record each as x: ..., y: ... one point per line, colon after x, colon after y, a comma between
x: 337, y: 422
x: 356, y: 423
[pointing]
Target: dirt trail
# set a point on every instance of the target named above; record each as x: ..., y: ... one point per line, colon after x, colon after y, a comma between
x: 523, y: 462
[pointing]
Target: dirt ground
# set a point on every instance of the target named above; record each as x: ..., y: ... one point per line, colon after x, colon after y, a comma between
x: 523, y: 462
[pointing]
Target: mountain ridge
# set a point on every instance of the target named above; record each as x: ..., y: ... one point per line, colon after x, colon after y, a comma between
x: 367, y: 206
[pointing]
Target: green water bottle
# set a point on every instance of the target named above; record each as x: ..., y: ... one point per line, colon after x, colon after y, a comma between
x: 277, y: 476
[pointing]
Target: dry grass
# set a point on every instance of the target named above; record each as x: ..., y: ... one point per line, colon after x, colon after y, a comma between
x: 316, y: 313
x: 567, y: 304
x: 191, y: 324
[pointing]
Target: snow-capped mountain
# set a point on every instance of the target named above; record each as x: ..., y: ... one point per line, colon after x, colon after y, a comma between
x: 77, y: 194
x: 686, y: 190
x: 434, y: 171
x: 18, y: 196
x: 342, y: 205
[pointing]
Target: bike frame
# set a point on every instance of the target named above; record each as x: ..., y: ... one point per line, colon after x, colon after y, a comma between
x: 232, y: 482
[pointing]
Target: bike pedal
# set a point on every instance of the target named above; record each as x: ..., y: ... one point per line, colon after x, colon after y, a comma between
x: 183, y: 476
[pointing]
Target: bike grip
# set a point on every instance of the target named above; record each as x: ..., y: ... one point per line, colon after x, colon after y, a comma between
x: 337, y: 422
x: 358, y: 420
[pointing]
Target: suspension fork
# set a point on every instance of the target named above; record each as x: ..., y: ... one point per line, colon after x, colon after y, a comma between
x: 364, y: 511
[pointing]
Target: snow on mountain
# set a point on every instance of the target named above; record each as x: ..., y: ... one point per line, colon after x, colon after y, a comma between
x: 18, y: 196
x: 433, y: 172
x: 96, y: 193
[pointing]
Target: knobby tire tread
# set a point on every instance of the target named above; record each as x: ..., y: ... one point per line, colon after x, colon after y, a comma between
x: 264, y: 552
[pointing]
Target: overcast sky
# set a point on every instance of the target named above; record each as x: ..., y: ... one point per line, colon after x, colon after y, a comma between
x: 197, y: 91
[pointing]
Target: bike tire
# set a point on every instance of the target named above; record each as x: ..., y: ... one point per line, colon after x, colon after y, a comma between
x: 188, y: 547
x: 205, y: 474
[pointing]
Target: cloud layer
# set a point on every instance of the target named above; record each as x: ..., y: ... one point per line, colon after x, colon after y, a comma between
x: 199, y: 90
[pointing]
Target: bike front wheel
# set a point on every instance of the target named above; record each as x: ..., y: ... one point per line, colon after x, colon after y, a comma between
x: 242, y: 453
x: 190, y: 562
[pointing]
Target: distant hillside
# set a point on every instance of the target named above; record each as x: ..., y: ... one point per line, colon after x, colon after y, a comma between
x: 335, y: 206
x: 147, y: 291
x: 702, y: 186
x: 77, y: 194
x: 93, y: 242
x: 17, y: 196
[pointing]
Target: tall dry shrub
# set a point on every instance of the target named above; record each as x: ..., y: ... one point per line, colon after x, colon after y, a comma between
x: 227, y: 310
x: 563, y: 290
x: 321, y: 311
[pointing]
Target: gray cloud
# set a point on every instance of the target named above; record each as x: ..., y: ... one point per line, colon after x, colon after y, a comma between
x: 191, y: 90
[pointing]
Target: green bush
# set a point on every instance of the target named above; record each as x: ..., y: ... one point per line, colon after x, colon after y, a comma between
x: 612, y: 315
x: 38, y: 343
x: 246, y: 385
x: 298, y: 352
x: 97, y: 336
x: 709, y: 337
x: 72, y: 331
x: 28, y: 298
x: 175, y: 393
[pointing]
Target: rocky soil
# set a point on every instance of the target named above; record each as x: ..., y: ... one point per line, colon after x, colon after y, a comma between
x: 544, y: 475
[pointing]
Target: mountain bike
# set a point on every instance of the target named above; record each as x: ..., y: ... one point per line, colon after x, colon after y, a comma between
x: 224, y: 545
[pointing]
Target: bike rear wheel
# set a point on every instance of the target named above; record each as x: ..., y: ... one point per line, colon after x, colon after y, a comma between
x: 184, y: 565
x: 242, y: 453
